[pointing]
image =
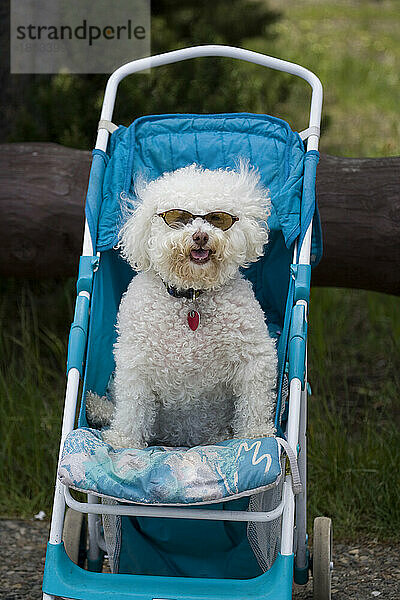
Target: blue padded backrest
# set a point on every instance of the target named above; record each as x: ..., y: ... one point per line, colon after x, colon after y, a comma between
x: 153, y: 145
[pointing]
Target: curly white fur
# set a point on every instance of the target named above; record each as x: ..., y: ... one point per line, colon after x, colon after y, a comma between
x: 176, y: 386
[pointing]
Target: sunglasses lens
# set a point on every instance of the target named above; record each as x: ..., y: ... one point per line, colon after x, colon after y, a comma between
x: 176, y: 217
x: 222, y: 220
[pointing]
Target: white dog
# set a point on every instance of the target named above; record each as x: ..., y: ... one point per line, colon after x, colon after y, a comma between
x: 194, y: 360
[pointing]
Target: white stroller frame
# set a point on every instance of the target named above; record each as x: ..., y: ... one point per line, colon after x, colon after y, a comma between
x: 292, y: 508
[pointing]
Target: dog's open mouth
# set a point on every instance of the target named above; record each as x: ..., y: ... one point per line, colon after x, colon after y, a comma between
x: 200, y: 256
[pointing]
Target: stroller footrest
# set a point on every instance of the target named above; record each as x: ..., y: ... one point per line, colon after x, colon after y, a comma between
x: 64, y: 578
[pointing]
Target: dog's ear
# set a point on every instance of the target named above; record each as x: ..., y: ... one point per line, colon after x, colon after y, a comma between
x: 255, y: 210
x: 256, y: 235
x: 135, y: 233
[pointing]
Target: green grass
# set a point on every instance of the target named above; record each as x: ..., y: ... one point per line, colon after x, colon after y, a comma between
x: 34, y: 319
x: 353, y: 46
x: 352, y: 475
x: 354, y: 417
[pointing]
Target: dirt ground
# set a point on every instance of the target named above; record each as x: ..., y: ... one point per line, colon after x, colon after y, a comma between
x: 361, y: 571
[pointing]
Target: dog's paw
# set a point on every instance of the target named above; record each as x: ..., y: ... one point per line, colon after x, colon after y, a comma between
x: 118, y: 440
x: 267, y: 431
x: 262, y: 434
x: 99, y: 410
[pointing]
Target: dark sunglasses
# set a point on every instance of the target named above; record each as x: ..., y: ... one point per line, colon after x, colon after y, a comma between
x: 177, y: 217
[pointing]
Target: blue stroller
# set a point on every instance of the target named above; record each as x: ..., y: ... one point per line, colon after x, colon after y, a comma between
x: 240, y: 531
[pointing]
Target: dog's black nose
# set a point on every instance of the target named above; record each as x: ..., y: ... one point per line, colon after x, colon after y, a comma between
x: 200, y: 237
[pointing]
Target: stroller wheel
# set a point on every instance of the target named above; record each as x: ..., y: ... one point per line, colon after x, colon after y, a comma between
x: 322, y: 558
x: 74, y: 536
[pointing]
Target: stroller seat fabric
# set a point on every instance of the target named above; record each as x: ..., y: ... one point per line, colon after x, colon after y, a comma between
x: 178, y: 476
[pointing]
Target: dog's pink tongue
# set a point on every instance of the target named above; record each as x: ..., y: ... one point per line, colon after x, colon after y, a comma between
x: 199, y: 254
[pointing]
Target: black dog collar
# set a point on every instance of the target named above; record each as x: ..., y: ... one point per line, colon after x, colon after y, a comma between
x: 190, y: 294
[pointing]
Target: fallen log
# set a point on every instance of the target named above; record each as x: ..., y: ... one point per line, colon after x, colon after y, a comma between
x: 42, y: 194
x: 359, y: 203
x: 42, y: 191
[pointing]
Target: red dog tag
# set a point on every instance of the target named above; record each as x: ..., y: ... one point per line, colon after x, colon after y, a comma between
x: 193, y: 319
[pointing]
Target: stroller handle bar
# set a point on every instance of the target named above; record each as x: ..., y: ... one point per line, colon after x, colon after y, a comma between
x: 212, y: 50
